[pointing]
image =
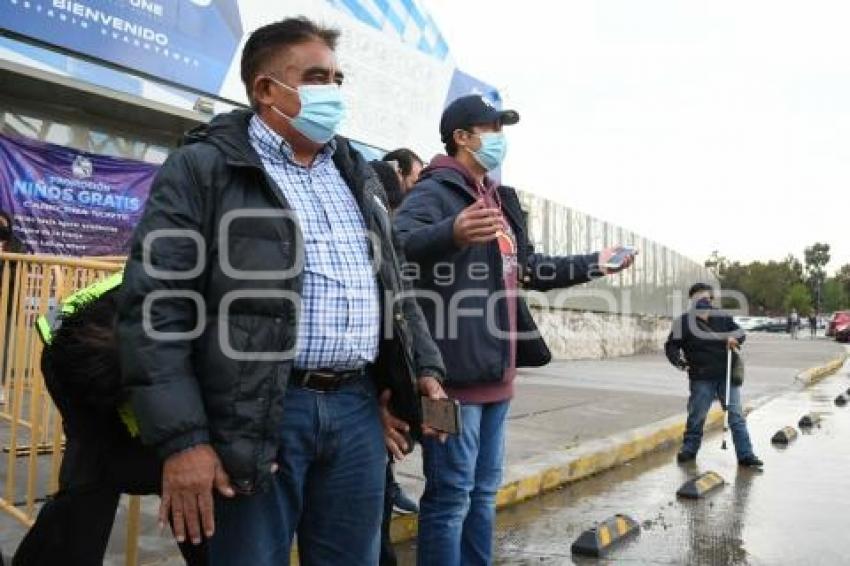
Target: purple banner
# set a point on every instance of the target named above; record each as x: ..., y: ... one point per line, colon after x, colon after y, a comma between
x: 69, y: 202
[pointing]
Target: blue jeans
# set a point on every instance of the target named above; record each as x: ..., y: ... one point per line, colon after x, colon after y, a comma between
x: 462, y: 476
x: 330, y: 487
x: 703, y: 394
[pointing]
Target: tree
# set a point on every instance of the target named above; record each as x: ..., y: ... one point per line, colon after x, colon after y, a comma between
x: 795, y: 266
x: 798, y: 298
x: 773, y: 287
x: 843, y: 277
x: 765, y: 285
x: 771, y: 282
x: 816, y: 258
x: 835, y: 295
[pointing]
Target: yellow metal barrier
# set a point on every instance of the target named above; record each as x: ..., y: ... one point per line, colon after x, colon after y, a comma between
x: 30, y: 426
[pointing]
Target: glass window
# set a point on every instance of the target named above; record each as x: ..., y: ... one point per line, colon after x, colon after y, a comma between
x: 83, y: 136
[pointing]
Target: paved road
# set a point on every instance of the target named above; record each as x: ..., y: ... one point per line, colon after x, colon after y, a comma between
x: 795, y: 512
x: 567, y: 403
x: 556, y: 407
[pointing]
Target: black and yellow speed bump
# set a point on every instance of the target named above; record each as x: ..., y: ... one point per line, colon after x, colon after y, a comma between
x: 599, y: 539
x: 784, y: 435
x: 809, y: 420
x: 700, y: 485
x: 841, y: 400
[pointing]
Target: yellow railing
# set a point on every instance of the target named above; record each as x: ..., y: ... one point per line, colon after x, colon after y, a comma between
x: 29, y: 462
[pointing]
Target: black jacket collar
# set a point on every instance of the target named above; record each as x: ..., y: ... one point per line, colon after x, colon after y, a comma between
x: 229, y: 133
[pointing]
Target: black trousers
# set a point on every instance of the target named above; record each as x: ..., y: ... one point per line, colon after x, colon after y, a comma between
x: 101, y: 462
x: 73, y: 528
x: 388, y: 557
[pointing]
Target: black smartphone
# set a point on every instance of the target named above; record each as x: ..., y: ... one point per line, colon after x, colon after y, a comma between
x: 442, y: 415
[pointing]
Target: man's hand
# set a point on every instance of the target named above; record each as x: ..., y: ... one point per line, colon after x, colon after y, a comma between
x: 431, y: 388
x: 395, y: 429
x: 606, y: 254
x: 477, y: 224
x: 188, y: 479
x: 732, y: 343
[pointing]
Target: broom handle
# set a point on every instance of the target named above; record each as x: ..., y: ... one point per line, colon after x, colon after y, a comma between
x: 728, y: 386
x: 728, y: 382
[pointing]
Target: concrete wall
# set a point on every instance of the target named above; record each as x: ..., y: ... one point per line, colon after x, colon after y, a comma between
x: 576, y: 335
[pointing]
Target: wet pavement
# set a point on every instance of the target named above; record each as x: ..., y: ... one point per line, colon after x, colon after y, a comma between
x: 568, y: 403
x: 560, y: 407
x: 794, y: 512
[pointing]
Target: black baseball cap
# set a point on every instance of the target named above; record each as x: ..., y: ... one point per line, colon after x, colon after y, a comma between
x: 700, y: 287
x: 472, y: 110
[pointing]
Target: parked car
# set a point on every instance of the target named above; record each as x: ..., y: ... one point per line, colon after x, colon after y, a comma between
x: 751, y: 322
x: 766, y: 324
x: 839, y: 326
x: 746, y: 322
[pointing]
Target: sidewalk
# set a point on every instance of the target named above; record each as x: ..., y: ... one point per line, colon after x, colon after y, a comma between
x: 572, y: 419
x: 786, y: 515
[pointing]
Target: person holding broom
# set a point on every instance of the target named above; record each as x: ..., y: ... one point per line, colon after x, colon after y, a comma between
x: 703, y: 342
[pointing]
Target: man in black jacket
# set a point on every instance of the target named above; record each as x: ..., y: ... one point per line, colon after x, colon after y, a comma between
x: 259, y: 279
x: 468, y: 241
x: 698, y: 344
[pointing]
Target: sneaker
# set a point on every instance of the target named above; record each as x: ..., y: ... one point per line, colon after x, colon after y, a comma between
x: 751, y: 462
x: 403, y: 502
x: 683, y: 457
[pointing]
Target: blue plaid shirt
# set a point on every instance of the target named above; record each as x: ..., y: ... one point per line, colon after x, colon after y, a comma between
x: 340, y: 309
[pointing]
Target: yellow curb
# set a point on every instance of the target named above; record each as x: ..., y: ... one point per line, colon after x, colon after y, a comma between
x: 595, y: 462
x: 816, y: 374
x: 404, y: 527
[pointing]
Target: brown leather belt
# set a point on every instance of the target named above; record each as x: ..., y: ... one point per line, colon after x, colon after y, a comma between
x: 324, y: 380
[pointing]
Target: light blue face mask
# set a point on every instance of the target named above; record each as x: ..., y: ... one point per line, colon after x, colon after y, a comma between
x: 322, y: 110
x: 492, y: 152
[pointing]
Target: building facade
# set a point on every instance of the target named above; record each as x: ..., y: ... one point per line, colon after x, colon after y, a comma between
x: 125, y: 79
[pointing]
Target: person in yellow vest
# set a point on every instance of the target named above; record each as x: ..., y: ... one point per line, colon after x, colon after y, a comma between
x: 103, y: 455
